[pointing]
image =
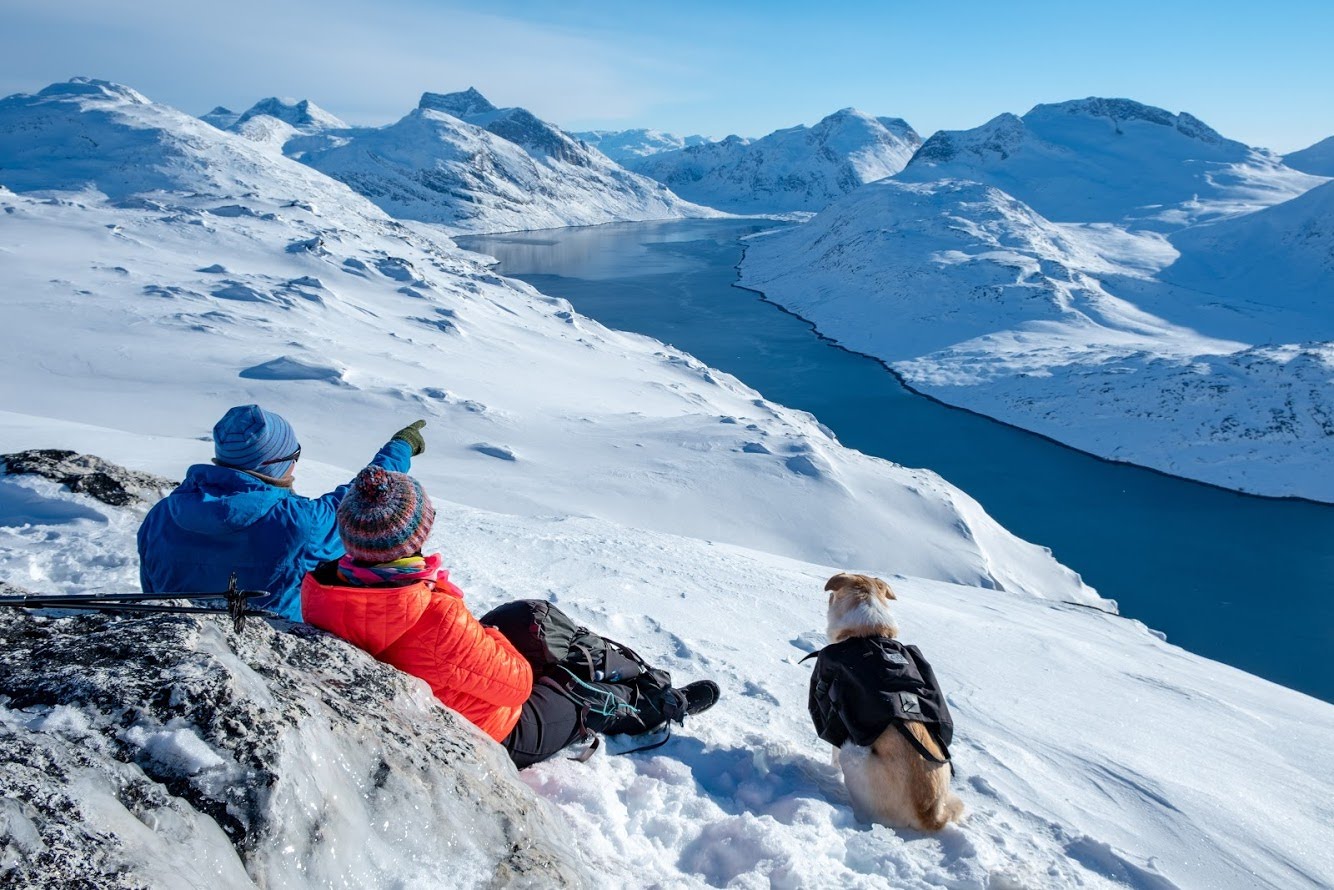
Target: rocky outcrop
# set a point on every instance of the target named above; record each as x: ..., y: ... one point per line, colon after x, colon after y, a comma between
x: 88, y: 474
x: 171, y: 751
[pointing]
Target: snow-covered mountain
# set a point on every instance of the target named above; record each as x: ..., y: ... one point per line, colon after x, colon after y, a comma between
x: 1111, y: 160
x: 1317, y: 159
x: 158, y: 270
x: 1275, y: 265
x: 626, y: 145
x: 459, y: 161
x: 303, y: 114
x: 240, y: 272
x: 221, y: 117
x: 800, y: 168
x: 1216, y: 368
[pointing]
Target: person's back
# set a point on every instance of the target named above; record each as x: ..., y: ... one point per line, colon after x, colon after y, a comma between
x: 239, y: 515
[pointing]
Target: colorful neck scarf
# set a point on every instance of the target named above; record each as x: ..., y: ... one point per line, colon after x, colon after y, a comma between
x: 399, y: 573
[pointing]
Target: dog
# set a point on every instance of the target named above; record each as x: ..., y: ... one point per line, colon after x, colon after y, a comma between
x: 902, y: 777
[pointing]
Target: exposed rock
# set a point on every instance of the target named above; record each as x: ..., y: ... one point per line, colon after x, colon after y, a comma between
x: 88, y: 474
x: 171, y: 750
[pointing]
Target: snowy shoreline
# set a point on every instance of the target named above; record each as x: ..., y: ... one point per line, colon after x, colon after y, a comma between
x: 906, y: 384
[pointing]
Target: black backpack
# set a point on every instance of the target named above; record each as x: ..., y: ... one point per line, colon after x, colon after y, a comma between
x: 558, y: 648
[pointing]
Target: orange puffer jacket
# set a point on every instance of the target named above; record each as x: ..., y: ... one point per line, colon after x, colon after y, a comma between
x: 426, y: 630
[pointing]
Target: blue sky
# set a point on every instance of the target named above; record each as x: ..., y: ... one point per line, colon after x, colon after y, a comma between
x: 1259, y: 72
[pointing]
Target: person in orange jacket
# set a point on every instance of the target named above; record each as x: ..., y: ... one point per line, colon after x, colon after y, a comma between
x: 386, y: 597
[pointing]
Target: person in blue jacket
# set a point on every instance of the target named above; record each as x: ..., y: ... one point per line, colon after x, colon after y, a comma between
x: 239, y: 514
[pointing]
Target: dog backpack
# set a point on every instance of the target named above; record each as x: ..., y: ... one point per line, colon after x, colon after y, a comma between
x: 862, y: 686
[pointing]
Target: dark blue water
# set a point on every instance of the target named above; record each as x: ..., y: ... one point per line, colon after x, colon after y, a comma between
x: 1241, y: 579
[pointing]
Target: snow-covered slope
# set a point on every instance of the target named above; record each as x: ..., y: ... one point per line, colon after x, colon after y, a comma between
x: 626, y: 145
x: 221, y: 117
x: 181, y: 270
x: 1111, y: 160
x: 800, y: 168
x: 1276, y: 264
x: 1065, y: 329
x: 237, y: 275
x: 1317, y: 159
x: 459, y: 161
x: 1089, y: 752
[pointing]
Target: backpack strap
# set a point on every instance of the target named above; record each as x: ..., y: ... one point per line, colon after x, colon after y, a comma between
x: 902, y: 726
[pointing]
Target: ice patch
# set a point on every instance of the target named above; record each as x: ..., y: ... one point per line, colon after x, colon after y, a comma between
x: 177, y: 750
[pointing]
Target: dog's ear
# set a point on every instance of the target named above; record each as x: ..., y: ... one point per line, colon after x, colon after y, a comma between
x: 884, y: 589
x: 838, y: 582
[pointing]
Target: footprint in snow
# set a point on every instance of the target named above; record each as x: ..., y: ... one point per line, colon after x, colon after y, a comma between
x: 809, y: 641
x: 755, y: 690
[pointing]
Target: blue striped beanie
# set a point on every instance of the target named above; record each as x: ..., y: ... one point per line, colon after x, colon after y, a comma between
x: 386, y: 516
x: 250, y: 438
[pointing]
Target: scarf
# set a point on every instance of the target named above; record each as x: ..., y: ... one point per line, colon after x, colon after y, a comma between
x: 399, y: 573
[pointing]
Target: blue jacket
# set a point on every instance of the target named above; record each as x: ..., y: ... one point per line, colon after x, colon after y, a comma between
x: 221, y: 520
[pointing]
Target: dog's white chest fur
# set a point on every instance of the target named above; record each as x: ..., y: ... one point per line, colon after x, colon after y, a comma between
x: 862, y: 619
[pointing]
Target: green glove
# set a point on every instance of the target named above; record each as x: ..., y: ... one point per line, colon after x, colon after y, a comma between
x: 412, y: 434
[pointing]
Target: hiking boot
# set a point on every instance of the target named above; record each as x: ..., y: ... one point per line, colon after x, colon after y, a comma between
x: 700, y: 696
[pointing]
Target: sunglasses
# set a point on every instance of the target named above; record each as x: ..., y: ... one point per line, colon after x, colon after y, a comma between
x: 293, y: 457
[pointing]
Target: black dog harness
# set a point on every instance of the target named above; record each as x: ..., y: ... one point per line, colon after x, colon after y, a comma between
x: 862, y: 685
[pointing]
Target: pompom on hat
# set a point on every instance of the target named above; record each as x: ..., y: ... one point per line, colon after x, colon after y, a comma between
x: 386, y: 516
x: 250, y: 438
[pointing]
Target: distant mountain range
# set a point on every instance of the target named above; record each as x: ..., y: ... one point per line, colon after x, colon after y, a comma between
x: 797, y: 169
x: 1106, y: 273
x: 626, y: 145
x: 460, y: 161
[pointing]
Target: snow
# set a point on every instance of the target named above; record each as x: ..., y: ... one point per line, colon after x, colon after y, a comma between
x: 797, y: 169
x: 600, y: 421
x: 302, y: 115
x: 1089, y: 752
x: 1111, y: 160
x: 1201, y: 351
x: 626, y: 145
x: 1317, y: 159
x: 461, y: 162
x: 655, y: 499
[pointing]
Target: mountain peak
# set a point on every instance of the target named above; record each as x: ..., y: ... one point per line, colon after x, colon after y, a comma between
x: 1118, y: 110
x: 91, y: 87
x: 302, y: 114
x: 460, y: 104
